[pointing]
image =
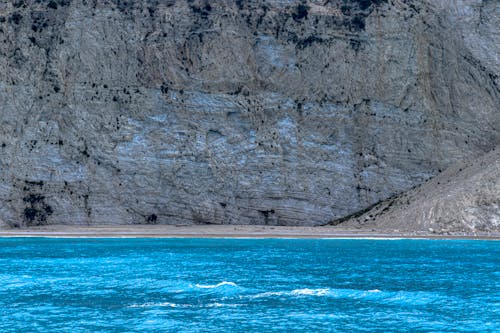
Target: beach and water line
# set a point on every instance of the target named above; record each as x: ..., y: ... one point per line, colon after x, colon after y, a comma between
x: 228, y: 231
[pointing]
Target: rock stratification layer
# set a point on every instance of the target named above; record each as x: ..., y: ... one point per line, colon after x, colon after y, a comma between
x: 238, y: 112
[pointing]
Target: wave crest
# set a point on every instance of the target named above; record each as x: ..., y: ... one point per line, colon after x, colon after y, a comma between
x: 310, y: 292
x: 213, y: 286
x: 376, y: 295
x: 150, y: 305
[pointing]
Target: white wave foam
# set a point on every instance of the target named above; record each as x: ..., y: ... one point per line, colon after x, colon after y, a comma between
x: 310, y: 292
x: 374, y: 291
x: 151, y: 305
x: 212, y: 286
x: 174, y: 305
x: 220, y: 305
x: 374, y: 295
x: 326, y: 292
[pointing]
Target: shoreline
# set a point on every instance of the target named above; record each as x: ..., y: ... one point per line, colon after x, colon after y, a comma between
x: 229, y: 231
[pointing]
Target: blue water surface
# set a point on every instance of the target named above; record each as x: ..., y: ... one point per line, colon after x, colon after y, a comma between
x: 223, y: 285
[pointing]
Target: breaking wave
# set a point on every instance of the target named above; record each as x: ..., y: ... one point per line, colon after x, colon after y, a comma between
x: 389, y: 297
x: 152, y: 305
x: 310, y: 292
x: 213, y: 286
x: 182, y: 306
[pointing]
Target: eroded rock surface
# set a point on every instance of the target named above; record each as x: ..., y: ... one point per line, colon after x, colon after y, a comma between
x: 238, y: 112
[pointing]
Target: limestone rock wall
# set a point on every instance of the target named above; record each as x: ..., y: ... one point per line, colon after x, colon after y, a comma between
x: 476, y: 22
x: 239, y: 112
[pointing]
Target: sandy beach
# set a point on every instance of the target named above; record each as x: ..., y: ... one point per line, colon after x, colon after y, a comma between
x: 224, y: 231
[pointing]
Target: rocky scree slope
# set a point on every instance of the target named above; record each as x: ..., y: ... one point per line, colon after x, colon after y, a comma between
x: 464, y: 198
x: 239, y: 112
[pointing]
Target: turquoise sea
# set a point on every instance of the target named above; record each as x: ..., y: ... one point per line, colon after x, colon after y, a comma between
x: 240, y: 285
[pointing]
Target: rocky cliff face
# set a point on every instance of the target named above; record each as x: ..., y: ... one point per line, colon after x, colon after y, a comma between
x: 476, y: 22
x: 248, y: 112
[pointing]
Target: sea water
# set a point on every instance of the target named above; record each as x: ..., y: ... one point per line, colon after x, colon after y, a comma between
x: 242, y: 285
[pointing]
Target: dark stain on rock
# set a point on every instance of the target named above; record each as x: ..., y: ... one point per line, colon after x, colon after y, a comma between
x: 15, y: 18
x: 301, y: 12
x: 52, y: 5
x: 358, y: 23
x: 303, y: 43
x: 164, y: 88
x: 153, y: 219
x: 266, y: 214
x: 34, y: 183
x: 34, y: 198
x: 37, y: 210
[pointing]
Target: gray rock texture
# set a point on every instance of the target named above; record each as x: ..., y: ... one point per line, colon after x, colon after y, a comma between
x: 237, y: 112
x: 464, y: 198
x: 476, y: 23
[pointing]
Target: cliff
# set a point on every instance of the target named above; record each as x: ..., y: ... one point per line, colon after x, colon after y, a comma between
x: 237, y: 112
